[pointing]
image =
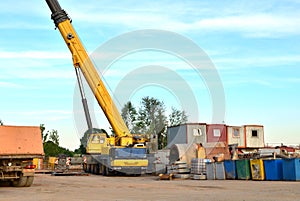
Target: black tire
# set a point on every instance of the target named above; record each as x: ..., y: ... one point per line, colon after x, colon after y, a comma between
x: 108, y: 173
x: 93, y: 169
x: 85, y: 168
x: 98, y: 169
x: 29, y: 181
x: 104, y: 170
x: 20, y: 182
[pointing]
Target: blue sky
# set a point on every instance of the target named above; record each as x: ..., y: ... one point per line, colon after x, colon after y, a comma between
x: 253, y: 45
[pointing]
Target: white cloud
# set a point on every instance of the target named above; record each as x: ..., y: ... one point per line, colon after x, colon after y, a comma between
x: 52, y: 115
x: 255, y: 19
x: 34, y: 55
x: 36, y: 65
x: 23, y: 26
x: 246, y: 82
x: 293, y: 80
x: 258, y: 61
x: 263, y: 22
x: 10, y: 85
x: 34, y: 73
x: 254, y: 25
x: 47, y: 74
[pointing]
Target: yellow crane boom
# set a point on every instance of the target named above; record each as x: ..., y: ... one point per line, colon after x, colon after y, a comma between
x: 81, y: 60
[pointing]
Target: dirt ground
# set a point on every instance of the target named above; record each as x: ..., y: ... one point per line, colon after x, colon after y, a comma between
x: 94, y: 187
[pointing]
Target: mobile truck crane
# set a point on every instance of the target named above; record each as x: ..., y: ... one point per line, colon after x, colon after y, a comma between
x: 124, y: 152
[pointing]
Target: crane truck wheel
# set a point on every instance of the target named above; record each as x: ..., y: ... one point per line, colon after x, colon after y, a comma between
x: 108, y: 173
x: 85, y: 167
x: 20, y: 182
x: 104, y: 170
x: 98, y: 169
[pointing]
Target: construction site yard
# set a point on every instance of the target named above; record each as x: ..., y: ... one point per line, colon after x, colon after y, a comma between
x: 95, y: 187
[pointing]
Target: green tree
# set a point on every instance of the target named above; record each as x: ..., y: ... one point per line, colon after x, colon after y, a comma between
x: 51, y: 143
x: 53, y: 136
x: 44, y: 135
x: 129, y: 115
x: 1, y: 122
x: 52, y: 149
x: 151, y: 116
x: 177, y: 117
x: 161, y: 132
x: 80, y: 150
x: 151, y: 119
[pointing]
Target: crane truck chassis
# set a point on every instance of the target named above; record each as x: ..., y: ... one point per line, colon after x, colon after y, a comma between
x: 114, y: 159
x: 123, y: 152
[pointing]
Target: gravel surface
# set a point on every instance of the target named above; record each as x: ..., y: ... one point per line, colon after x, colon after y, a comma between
x: 94, y: 187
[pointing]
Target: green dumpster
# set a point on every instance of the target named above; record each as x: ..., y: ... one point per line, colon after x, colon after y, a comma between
x: 243, y: 169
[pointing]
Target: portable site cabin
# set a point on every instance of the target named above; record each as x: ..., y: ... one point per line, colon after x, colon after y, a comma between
x: 247, y: 136
x: 186, y: 134
x: 254, y: 136
x: 235, y: 135
x: 216, y: 133
x: 213, y: 135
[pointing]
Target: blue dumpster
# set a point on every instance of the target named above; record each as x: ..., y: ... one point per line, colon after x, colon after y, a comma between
x: 230, y: 169
x: 291, y: 169
x: 273, y: 169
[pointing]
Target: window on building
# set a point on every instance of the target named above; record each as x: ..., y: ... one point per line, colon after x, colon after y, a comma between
x: 236, y: 132
x: 197, y: 132
x: 254, y: 133
x: 217, y: 133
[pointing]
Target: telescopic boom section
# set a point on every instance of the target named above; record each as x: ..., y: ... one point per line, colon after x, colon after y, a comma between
x: 81, y: 60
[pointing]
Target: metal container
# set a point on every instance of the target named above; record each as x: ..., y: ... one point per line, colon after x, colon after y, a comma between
x: 257, y: 169
x: 198, y: 166
x: 220, y: 170
x: 163, y: 156
x: 273, y: 169
x: 291, y: 169
x: 243, y: 169
x: 151, y: 159
x: 158, y: 168
x: 230, y: 169
x: 210, y: 171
